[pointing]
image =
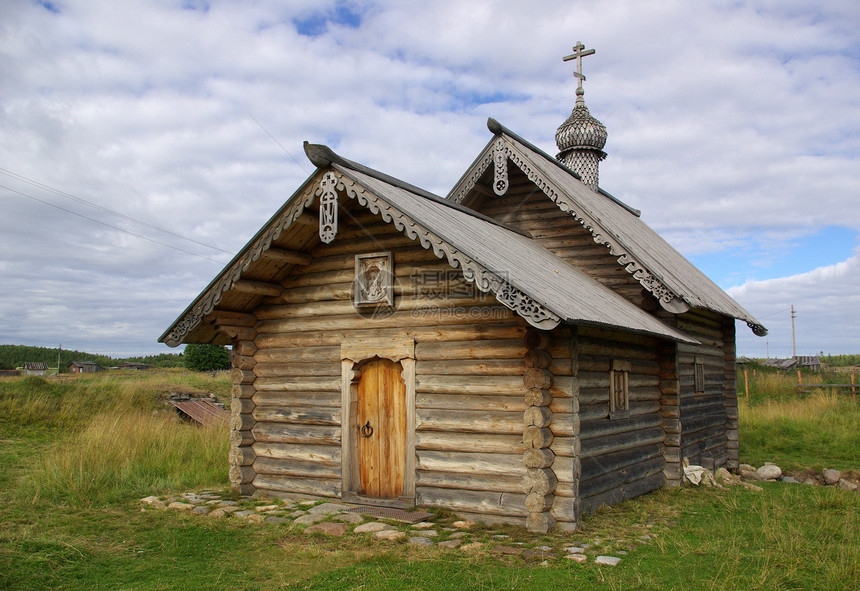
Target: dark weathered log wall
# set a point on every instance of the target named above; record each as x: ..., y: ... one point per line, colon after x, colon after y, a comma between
x: 621, y: 456
x: 707, y: 417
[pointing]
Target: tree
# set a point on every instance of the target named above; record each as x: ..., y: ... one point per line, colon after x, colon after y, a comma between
x: 206, y: 357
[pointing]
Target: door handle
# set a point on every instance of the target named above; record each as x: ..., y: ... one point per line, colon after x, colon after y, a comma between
x: 367, y: 430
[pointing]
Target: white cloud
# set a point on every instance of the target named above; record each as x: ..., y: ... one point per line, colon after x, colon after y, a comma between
x: 725, y: 121
x: 826, y: 302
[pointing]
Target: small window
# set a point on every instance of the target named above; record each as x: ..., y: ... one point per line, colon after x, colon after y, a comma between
x: 700, y: 375
x: 619, y: 390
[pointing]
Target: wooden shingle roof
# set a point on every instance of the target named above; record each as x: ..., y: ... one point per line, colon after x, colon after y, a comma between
x: 662, y: 270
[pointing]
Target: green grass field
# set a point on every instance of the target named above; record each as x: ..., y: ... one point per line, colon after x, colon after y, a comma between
x: 76, y: 456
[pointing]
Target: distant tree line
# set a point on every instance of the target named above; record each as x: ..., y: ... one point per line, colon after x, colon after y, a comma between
x: 840, y: 360
x: 12, y: 356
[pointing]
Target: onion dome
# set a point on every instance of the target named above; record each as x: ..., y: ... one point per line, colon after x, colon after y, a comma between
x: 580, y: 140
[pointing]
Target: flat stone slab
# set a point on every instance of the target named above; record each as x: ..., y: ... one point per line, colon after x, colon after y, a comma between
x: 464, y: 524
x: 507, y: 550
x: 607, y: 560
x: 276, y: 520
x: 373, y: 527
x: 422, y: 525
x: 267, y: 508
x: 328, y: 509
x: 389, y: 535
x: 309, y: 519
x: 180, y: 506
x: 538, y: 553
x: 223, y: 511
x: 245, y: 513
x: 426, y: 534
x: 574, y: 549
x: 420, y: 541
x: 349, y: 518
x: 578, y: 558
x: 449, y: 544
x: 329, y: 528
x: 201, y: 510
x: 473, y: 547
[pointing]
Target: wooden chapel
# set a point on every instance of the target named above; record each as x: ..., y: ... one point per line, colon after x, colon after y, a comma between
x: 521, y: 351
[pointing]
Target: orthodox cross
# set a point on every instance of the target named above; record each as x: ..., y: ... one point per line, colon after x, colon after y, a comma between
x: 579, y: 52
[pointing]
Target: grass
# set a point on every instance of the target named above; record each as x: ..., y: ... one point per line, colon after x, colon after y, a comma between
x: 77, y: 455
x: 817, y: 429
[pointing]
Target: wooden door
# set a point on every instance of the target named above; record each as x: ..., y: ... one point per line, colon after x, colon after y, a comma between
x: 381, y: 426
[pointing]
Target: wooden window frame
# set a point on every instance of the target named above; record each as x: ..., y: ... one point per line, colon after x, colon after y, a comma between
x: 699, y: 375
x: 619, y: 389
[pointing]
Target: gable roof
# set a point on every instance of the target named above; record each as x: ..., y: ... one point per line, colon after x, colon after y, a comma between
x: 659, y: 268
x: 524, y: 276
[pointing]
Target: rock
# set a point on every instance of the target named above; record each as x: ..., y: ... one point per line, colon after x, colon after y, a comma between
x: 256, y: 518
x: 244, y: 513
x: 790, y: 480
x: 420, y: 541
x: 228, y: 503
x: 473, y: 547
x: 309, y: 519
x: 846, y: 484
x: 607, y: 560
x: 537, y: 553
x: 449, y: 544
x: 810, y: 481
x: 327, y: 509
x: 223, y: 511
x: 349, y: 518
x: 574, y: 549
x: 769, y: 472
x: 426, y: 533
x: 389, y: 534
x: 153, y: 501
x: 276, y: 520
x: 298, y: 513
x: 180, y: 506
x: 464, y: 524
x: 507, y: 550
x: 832, y: 476
x: 746, y: 468
x: 578, y: 558
x: 201, y: 510
x: 422, y: 525
x: 751, y: 477
x: 458, y: 535
x: 329, y: 528
x: 373, y: 527
x: 266, y: 508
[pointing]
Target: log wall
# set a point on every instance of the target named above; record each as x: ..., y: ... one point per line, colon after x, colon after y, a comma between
x: 707, y: 417
x: 527, y: 208
x: 621, y: 456
x: 470, y: 397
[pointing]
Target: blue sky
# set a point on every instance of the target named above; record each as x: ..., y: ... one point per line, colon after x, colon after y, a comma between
x: 732, y: 125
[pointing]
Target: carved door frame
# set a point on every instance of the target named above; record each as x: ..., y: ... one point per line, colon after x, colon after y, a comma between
x: 353, y: 352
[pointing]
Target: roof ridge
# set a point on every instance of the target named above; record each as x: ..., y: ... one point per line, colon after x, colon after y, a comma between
x: 497, y: 128
x: 321, y: 156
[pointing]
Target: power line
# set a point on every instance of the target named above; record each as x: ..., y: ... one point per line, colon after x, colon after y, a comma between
x: 48, y: 203
x: 274, y: 139
x: 105, y: 209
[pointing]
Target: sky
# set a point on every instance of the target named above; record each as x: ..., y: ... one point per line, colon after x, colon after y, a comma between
x: 144, y: 142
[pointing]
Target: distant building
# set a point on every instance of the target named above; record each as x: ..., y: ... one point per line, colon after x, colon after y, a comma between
x: 135, y: 366
x: 35, y: 368
x: 810, y: 362
x: 84, y: 367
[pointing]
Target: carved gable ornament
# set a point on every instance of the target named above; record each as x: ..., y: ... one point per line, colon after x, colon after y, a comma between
x: 374, y: 285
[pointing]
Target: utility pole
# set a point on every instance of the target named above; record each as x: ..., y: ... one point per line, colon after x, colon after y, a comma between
x: 793, y: 337
x: 60, y: 352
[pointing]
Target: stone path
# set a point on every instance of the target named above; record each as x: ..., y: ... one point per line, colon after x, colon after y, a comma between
x: 443, y: 533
